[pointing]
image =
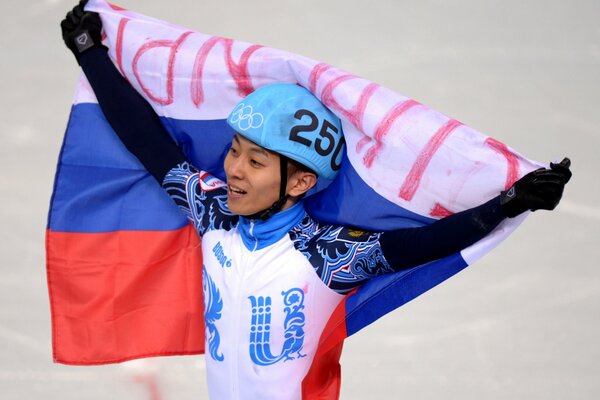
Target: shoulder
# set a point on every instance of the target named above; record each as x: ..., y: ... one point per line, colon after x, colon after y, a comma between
x: 202, y: 196
x: 310, y: 232
x: 187, y: 173
x: 193, y: 180
x: 343, y: 257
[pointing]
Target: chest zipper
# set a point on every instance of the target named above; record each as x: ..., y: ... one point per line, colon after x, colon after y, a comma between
x: 238, y: 301
x: 251, y: 233
x: 238, y: 316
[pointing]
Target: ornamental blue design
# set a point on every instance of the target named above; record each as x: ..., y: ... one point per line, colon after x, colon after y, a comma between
x: 175, y: 184
x: 207, y: 209
x: 219, y: 216
x: 260, y: 328
x: 343, y: 257
x: 213, y: 306
x: 197, y: 201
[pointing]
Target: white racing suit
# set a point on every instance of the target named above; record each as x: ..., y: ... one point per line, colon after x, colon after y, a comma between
x: 269, y: 287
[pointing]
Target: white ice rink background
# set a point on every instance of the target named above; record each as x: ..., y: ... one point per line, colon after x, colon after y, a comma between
x: 523, y: 323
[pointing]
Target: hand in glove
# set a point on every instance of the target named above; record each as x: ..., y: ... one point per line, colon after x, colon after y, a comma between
x: 81, y: 30
x: 538, y: 190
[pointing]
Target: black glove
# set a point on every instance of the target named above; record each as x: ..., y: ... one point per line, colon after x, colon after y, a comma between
x: 81, y: 30
x: 538, y: 190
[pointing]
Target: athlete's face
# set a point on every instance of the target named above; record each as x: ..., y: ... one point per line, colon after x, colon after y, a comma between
x: 253, y: 177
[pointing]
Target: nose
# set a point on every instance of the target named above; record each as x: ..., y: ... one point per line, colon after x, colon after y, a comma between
x: 234, y: 167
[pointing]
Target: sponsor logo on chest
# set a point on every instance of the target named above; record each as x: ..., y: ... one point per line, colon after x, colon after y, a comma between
x: 219, y: 253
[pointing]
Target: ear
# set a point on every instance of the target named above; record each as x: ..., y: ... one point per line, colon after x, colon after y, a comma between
x: 300, y: 182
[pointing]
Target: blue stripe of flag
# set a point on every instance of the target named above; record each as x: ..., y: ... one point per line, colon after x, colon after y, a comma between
x: 379, y: 296
x: 101, y: 187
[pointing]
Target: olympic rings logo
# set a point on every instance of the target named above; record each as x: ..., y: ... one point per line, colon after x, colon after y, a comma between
x: 244, y: 117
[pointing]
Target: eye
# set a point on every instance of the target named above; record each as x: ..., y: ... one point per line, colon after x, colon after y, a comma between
x: 255, y: 163
x: 233, y: 151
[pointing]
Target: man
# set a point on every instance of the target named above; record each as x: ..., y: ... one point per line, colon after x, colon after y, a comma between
x: 272, y: 274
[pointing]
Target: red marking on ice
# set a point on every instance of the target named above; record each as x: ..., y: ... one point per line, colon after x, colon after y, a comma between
x: 383, y: 129
x: 315, y: 74
x: 174, y: 47
x: 150, y: 381
x: 239, y: 71
x: 305, y: 288
x: 439, y: 210
x: 119, y: 45
x: 512, y: 173
x: 413, y: 179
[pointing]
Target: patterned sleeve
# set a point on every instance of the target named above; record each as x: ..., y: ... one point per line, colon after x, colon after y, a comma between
x: 200, y: 196
x: 343, y: 257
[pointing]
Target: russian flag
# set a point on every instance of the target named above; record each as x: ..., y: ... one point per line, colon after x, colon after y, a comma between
x: 124, y: 266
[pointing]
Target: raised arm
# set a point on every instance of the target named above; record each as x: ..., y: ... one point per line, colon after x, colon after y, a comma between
x: 199, y: 196
x: 540, y: 189
x: 345, y: 258
x: 406, y: 248
x: 131, y: 117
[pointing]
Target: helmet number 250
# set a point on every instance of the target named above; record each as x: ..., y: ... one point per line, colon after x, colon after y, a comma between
x: 325, y: 143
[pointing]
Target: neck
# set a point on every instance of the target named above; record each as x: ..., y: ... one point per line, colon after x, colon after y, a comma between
x: 257, y: 234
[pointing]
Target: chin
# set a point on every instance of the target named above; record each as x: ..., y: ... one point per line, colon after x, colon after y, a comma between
x: 243, y: 211
x: 235, y: 210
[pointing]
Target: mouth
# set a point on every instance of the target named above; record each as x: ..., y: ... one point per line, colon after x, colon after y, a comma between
x: 235, y: 192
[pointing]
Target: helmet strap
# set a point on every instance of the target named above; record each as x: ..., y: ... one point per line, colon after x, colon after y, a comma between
x: 276, y: 206
x: 283, y: 168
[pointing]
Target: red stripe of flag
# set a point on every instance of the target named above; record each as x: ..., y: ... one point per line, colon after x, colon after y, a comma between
x: 122, y: 295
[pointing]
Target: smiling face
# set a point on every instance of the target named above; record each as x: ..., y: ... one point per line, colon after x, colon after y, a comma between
x: 253, y: 178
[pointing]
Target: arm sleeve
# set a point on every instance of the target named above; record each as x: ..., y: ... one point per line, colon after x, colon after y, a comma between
x: 128, y: 113
x: 406, y: 248
x: 345, y: 258
x: 342, y: 257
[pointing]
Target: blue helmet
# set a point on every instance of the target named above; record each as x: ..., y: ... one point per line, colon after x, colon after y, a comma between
x: 290, y: 120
